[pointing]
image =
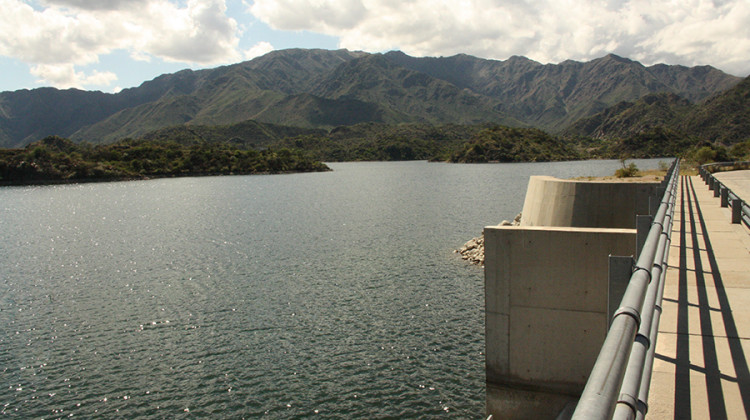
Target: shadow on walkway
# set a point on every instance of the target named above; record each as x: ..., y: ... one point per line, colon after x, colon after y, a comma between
x: 703, y: 279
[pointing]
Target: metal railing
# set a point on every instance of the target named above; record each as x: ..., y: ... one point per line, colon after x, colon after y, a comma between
x: 740, y: 209
x: 619, y: 381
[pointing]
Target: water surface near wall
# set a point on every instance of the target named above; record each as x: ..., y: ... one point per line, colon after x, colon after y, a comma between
x: 332, y: 294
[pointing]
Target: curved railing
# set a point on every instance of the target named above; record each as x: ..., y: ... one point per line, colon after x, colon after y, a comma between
x: 619, y: 382
x: 740, y: 209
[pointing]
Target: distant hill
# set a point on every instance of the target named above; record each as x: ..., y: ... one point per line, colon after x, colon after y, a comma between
x: 324, y: 89
x: 627, y: 118
x: 724, y: 118
x: 667, y: 121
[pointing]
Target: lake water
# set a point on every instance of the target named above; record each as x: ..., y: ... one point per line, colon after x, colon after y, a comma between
x: 334, y: 295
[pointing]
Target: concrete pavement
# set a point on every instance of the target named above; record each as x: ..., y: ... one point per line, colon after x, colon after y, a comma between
x: 737, y: 181
x: 701, y: 367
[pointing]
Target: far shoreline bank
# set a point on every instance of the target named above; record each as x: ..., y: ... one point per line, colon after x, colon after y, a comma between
x: 43, y: 182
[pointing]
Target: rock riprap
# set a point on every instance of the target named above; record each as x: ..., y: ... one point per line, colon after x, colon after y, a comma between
x: 473, y: 250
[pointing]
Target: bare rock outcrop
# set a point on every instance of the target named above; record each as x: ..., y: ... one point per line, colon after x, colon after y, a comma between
x: 473, y: 250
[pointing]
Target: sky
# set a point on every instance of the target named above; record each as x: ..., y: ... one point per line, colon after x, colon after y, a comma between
x: 110, y: 45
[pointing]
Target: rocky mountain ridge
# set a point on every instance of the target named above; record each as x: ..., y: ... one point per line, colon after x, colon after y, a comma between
x: 325, y: 89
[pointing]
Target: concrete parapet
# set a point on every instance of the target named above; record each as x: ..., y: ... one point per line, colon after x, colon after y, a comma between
x: 558, y: 202
x: 546, y: 294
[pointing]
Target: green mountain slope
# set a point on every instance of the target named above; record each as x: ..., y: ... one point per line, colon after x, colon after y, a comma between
x: 666, y: 124
x: 628, y: 118
x: 724, y: 118
x: 247, y: 134
x: 307, y: 110
x: 223, y: 95
x: 411, y: 96
x: 28, y: 115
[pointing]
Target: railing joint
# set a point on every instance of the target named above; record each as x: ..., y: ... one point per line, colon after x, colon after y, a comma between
x: 629, y: 311
x: 638, y: 268
x: 628, y: 400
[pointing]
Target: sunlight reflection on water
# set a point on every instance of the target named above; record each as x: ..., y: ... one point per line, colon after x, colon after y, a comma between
x: 334, y: 294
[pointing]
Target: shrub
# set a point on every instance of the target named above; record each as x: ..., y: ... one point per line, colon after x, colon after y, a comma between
x: 628, y: 171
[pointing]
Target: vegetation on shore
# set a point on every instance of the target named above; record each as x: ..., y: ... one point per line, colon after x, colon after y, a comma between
x: 389, y: 142
x: 627, y: 171
x: 382, y: 142
x: 55, y: 159
x: 506, y: 144
x: 205, y: 151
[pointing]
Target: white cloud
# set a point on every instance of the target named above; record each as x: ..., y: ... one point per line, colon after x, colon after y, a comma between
x: 65, y: 76
x: 200, y: 33
x: 690, y: 32
x: 65, y: 33
x: 257, y: 50
x: 95, y: 4
x: 317, y: 15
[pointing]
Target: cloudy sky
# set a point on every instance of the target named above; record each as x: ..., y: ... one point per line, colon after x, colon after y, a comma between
x: 112, y: 44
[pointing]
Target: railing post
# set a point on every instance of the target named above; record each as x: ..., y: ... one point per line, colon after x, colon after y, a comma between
x: 736, y: 211
x: 724, y: 197
x: 717, y: 188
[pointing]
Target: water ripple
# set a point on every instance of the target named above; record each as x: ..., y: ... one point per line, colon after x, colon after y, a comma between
x: 333, y: 295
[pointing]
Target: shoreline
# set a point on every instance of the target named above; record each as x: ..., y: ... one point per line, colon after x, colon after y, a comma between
x: 41, y: 182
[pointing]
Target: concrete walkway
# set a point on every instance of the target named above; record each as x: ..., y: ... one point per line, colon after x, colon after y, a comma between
x: 701, y: 367
x: 737, y: 181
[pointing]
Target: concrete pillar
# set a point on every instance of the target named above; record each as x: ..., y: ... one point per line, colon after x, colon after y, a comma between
x: 620, y: 271
x: 557, y: 202
x: 642, y: 226
x: 546, y: 297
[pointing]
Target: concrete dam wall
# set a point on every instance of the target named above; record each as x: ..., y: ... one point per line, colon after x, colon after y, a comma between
x: 547, y: 291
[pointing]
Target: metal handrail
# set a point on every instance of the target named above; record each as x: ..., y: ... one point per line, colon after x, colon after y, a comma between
x: 626, y: 357
x: 740, y: 209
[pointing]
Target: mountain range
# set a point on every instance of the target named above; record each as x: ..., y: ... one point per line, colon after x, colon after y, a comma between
x: 322, y: 89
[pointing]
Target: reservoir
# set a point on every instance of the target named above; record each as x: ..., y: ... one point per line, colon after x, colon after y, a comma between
x: 329, y: 295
